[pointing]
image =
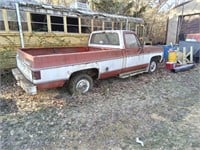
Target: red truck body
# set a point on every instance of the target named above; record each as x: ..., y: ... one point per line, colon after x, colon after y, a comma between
x: 52, y: 67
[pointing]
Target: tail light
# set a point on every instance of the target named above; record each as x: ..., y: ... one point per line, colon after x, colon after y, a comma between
x: 36, y: 75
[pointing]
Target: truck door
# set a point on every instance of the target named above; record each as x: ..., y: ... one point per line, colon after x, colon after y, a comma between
x: 134, y: 56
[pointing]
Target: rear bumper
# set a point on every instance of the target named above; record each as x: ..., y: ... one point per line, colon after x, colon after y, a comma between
x: 25, y: 84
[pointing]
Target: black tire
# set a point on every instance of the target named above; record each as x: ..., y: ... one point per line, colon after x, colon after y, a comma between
x: 152, y: 66
x: 80, y: 84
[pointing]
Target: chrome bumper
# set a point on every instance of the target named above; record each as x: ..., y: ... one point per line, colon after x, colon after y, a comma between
x: 25, y: 84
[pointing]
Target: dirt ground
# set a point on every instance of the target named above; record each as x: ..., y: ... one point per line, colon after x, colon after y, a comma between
x: 161, y: 109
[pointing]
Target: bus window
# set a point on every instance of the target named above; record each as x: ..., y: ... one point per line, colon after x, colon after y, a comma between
x: 132, y: 26
x: 12, y: 20
x: 2, y: 27
x: 85, y: 25
x: 23, y: 21
x: 97, y: 24
x: 72, y: 25
x: 39, y: 22
x: 123, y: 25
x: 107, y: 25
x: 117, y: 26
x: 140, y: 30
x: 13, y: 23
x: 57, y: 23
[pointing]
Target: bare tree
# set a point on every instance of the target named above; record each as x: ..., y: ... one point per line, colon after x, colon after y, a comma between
x: 154, y: 13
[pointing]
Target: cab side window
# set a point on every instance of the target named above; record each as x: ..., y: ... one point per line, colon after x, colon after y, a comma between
x: 131, y: 41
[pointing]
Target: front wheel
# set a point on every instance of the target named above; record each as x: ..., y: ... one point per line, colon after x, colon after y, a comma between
x: 80, y: 84
x: 152, y: 66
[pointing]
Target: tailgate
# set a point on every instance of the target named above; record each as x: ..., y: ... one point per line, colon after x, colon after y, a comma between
x: 24, y: 66
x: 23, y: 82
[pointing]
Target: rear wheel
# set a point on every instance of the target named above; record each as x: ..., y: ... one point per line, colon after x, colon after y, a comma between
x: 152, y: 66
x: 80, y: 84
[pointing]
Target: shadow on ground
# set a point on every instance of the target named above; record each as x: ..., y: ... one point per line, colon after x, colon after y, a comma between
x: 7, y: 106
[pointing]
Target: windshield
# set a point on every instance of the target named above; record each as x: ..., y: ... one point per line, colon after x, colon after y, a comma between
x: 104, y: 38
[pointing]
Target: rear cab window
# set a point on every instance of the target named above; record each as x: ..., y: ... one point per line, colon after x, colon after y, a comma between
x: 105, y: 38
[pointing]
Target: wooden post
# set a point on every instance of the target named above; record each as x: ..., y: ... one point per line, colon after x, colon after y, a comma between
x: 136, y: 29
x: 49, y: 23
x: 79, y: 25
x: 103, y: 25
x: 113, y: 25
x: 5, y: 18
x: 92, y: 25
x: 65, y: 24
x: 28, y: 16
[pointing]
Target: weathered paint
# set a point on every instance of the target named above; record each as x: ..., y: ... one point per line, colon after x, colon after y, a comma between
x: 108, y: 62
x: 52, y: 84
x: 56, y: 65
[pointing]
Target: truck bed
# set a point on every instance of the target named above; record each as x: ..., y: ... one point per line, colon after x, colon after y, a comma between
x: 55, y: 50
x: 62, y: 56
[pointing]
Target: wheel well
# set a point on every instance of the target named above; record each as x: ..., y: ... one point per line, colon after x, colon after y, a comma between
x: 156, y: 58
x: 91, y: 72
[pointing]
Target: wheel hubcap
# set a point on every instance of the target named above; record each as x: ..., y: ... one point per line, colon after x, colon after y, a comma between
x: 153, y: 66
x: 83, y: 86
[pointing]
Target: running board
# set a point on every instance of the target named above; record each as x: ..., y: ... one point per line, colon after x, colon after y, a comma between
x: 132, y: 73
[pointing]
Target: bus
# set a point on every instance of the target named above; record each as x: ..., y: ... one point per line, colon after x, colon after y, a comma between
x: 27, y: 24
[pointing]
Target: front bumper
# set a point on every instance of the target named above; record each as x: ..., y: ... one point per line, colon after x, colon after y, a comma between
x: 25, y: 84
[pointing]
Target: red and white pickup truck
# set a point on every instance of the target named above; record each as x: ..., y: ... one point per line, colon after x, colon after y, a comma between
x: 109, y: 53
